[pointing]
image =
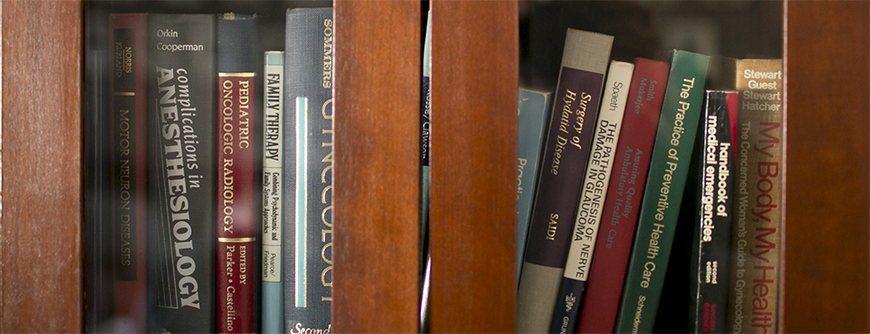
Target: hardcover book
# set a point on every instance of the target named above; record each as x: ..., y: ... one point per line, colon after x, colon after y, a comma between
x: 575, y: 109
x: 236, y: 218
x: 128, y: 166
x: 533, y: 113
x: 699, y: 269
x: 273, y: 166
x: 711, y: 260
x: 669, y: 166
x: 181, y: 193
x: 308, y: 230
x: 756, y: 232
x: 594, y: 187
x: 98, y: 272
x: 622, y: 203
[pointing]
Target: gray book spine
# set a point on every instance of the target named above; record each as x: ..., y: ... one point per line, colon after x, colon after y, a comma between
x: 308, y: 156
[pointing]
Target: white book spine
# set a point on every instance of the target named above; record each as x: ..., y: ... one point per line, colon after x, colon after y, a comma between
x: 598, y: 170
x: 273, y: 165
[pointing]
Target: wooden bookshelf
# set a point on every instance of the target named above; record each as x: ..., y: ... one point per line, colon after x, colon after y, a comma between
x: 827, y: 253
x: 473, y: 204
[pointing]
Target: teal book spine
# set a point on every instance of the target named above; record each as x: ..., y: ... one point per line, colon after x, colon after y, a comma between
x: 533, y: 112
x: 273, y: 160
x: 669, y: 167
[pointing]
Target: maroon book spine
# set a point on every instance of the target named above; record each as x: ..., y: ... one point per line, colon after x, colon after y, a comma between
x: 128, y: 154
x: 236, y: 224
x: 622, y: 204
x: 237, y: 210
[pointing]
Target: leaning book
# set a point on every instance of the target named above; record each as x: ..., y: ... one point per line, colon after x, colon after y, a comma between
x: 622, y: 203
x: 575, y: 109
x: 596, y: 180
x: 533, y: 112
x: 699, y: 268
x: 669, y: 166
x: 711, y: 255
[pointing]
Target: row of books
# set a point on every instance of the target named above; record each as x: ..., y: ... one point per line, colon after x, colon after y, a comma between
x: 207, y: 138
x: 648, y: 200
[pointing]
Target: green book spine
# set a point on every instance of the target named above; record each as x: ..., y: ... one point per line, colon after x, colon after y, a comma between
x: 669, y: 167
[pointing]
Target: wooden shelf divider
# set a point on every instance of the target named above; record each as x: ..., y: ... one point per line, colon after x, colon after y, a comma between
x: 377, y: 166
x: 40, y: 223
x: 473, y: 195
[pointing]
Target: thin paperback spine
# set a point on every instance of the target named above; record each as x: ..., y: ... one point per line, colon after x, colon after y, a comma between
x: 308, y: 232
x: 594, y: 187
x: 669, y: 166
x: 622, y: 203
x: 181, y: 193
x: 273, y: 159
x: 236, y: 218
x: 128, y: 166
x: 578, y: 93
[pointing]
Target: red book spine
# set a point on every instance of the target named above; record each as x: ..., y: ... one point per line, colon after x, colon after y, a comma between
x: 236, y: 210
x: 622, y: 204
x: 128, y: 156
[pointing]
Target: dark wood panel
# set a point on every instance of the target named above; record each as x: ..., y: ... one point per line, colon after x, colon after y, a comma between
x: 40, y: 262
x: 377, y: 166
x: 473, y: 194
x: 827, y: 236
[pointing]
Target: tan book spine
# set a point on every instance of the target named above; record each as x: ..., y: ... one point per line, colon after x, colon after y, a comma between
x: 756, y: 234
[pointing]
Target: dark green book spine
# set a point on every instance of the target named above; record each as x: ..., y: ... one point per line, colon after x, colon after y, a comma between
x: 672, y: 151
x: 181, y: 194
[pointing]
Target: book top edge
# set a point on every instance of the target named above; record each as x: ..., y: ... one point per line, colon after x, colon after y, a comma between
x: 587, y: 51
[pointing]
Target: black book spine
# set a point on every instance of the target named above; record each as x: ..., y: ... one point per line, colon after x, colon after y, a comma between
x: 98, y: 273
x: 181, y: 238
x: 698, y: 275
x: 711, y: 261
